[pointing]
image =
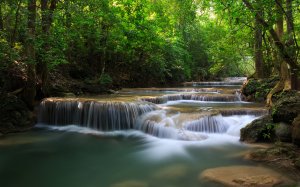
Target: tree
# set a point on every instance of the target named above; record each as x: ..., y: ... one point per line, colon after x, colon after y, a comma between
x: 259, y: 72
x: 47, y: 9
x: 283, y: 51
x: 30, y: 87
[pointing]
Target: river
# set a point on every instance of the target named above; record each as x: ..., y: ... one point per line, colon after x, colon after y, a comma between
x: 147, y: 137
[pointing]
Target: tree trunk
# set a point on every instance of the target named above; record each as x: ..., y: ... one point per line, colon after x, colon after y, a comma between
x: 284, y: 70
x: 1, y: 17
x: 68, y: 14
x: 30, y: 88
x: 42, y: 67
x: 259, y: 72
x: 291, y: 42
x: 14, y: 32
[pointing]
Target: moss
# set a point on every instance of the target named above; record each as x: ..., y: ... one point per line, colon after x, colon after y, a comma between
x: 260, y: 130
x: 258, y: 89
x: 286, y: 108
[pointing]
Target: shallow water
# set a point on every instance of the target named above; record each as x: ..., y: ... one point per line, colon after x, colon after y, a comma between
x: 155, y: 145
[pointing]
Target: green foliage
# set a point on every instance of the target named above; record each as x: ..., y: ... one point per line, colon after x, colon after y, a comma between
x: 268, y: 131
x: 8, y: 53
x: 105, y: 79
x: 151, y: 42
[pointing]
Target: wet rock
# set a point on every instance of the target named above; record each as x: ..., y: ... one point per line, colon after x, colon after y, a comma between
x: 259, y: 130
x: 286, y: 109
x: 283, y: 132
x: 14, y: 114
x: 282, y: 156
x: 130, y: 183
x: 296, y: 131
x: 245, y: 176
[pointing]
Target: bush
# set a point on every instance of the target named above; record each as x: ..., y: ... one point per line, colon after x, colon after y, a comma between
x: 105, y: 79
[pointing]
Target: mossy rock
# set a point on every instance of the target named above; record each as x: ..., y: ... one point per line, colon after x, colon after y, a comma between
x: 250, y: 87
x: 286, y: 109
x: 279, y: 149
x: 14, y: 114
x: 283, y: 132
x: 258, y: 89
x: 296, y: 130
x: 297, y: 163
x: 259, y: 130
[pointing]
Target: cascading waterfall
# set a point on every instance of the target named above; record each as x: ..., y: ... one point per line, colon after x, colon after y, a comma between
x: 208, y: 124
x: 158, y: 124
x: 195, y: 97
x: 244, y: 111
x: 92, y: 114
x: 156, y: 120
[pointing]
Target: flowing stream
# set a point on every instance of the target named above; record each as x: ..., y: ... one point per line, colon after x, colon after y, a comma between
x: 148, y: 137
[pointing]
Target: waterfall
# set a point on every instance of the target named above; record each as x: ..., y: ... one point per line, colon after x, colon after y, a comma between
x: 244, y: 111
x: 195, y: 97
x: 208, y: 124
x: 92, y: 114
x: 158, y: 124
x: 196, y: 115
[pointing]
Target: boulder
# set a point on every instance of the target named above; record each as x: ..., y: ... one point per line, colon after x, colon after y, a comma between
x: 258, y: 89
x: 245, y: 176
x: 286, y: 109
x: 259, y: 130
x: 297, y: 163
x: 14, y: 114
x: 296, y: 130
x: 283, y: 132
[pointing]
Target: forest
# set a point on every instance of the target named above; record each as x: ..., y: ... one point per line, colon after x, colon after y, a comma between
x: 145, y: 43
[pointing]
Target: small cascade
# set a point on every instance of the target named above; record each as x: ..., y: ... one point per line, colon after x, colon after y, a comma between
x: 212, y: 84
x: 195, y: 97
x: 231, y: 81
x: 244, y: 111
x: 235, y: 79
x: 170, y: 90
x: 157, y: 123
x: 92, y: 114
x: 238, y: 95
x: 208, y: 124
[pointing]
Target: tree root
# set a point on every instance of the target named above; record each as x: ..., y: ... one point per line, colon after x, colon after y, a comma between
x: 278, y: 87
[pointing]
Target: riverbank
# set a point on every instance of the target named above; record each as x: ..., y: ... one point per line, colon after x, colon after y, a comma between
x: 280, y: 129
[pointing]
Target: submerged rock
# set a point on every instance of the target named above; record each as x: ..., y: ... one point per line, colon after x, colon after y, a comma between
x: 172, y: 172
x: 245, y: 176
x: 296, y: 130
x: 14, y: 114
x: 259, y: 130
